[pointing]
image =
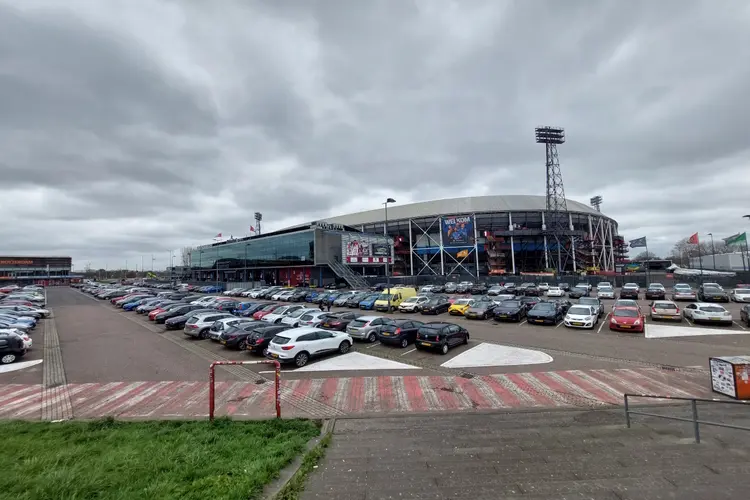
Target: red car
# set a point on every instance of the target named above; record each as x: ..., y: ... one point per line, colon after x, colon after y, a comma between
x: 266, y: 310
x: 627, y: 319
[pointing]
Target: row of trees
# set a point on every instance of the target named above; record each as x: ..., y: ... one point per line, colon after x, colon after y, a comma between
x: 682, y: 251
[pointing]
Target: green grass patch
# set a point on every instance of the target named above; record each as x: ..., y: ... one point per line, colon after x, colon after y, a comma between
x: 296, y: 485
x: 108, y: 459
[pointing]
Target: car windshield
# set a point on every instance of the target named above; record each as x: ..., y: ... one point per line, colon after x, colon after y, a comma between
x: 544, y: 306
x: 297, y: 313
x: 462, y: 302
x: 626, y: 303
x: 742, y: 291
x: 682, y: 287
x: 579, y: 311
x: 604, y: 287
x: 580, y: 288
x: 712, y: 309
x: 385, y: 296
x: 625, y: 313
x: 630, y: 285
x: 656, y: 285
x: 711, y: 289
x: 411, y: 300
x: 588, y: 301
x: 665, y: 305
x: 269, y: 308
x: 510, y: 304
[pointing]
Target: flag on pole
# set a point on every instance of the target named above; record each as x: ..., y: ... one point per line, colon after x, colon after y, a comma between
x: 736, y: 239
x: 217, y: 237
x: 252, y: 229
x: 638, y: 242
x: 693, y: 240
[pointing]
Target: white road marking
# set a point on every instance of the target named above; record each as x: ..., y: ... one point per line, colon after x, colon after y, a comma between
x: 736, y: 323
x: 266, y: 371
x: 19, y: 365
x: 663, y: 331
x: 497, y: 355
x: 407, y: 352
x: 688, y: 321
x: 372, y: 345
x: 604, y: 321
x: 561, y: 323
x: 522, y: 322
x: 355, y: 361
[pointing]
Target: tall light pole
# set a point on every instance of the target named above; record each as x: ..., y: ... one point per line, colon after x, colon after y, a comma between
x: 387, y: 270
x: 713, y: 249
x: 747, y: 250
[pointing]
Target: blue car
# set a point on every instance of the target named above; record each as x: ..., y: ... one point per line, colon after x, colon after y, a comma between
x: 310, y: 296
x: 21, y: 321
x: 368, y: 304
x: 244, y: 306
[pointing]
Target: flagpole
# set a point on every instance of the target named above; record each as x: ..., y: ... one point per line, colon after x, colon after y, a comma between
x: 648, y: 263
x: 700, y: 260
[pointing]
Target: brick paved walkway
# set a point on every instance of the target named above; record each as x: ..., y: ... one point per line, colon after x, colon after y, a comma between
x: 330, y: 397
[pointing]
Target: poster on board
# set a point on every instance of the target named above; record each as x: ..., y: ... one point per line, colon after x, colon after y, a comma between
x: 357, y: 248
x: 722, y: 377
x: 457, y: 231
x: 381, y: 250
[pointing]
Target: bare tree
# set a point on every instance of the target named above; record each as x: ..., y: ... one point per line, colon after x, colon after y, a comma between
x: 185, y: 254
x: 646, y: 256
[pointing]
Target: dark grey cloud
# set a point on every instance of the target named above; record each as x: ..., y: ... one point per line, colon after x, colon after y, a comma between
x: 127, y: 129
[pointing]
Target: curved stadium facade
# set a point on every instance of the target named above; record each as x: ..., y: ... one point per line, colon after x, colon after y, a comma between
x: 471, y: 236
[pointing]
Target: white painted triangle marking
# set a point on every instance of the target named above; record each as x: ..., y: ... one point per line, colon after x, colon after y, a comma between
x: 19, y: 365
x: 497, y: 355
x: 355, y: 361
x: 664, y: 331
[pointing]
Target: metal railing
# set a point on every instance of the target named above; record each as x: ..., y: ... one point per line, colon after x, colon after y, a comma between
x: 354, y: 279
x: 694, y: 407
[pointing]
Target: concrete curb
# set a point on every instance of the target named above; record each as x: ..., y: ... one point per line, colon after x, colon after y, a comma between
x: 289, y: 472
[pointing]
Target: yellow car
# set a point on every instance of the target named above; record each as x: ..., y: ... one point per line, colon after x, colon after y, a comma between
x: 459, y: 307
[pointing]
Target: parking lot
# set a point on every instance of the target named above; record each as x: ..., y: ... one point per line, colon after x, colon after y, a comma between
x: 109, y: 349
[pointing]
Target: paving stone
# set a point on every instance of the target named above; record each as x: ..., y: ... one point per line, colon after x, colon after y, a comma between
x: 592, y: 486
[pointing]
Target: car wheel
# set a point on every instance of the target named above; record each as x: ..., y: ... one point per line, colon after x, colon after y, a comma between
x: 404, y: 342
x: 203, y: 334
x: 344, y: 347
x: 301, y: 359
x: 444, y: 349
x: 372, y: 337
x: 466, y: 339
x: 242, y: 346
x: 7, y: 358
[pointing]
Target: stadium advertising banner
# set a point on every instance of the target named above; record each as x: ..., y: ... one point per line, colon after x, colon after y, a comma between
x: 365, y: 249
x: 458, y: 231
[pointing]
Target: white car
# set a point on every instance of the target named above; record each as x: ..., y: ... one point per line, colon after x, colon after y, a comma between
x: 203, y: 301
x: 543, y: 287
x: 278, y: 314
x: 741, y: 295
x: 555, y: 291
x: 299, y: 345
x: 605, y: 292
x: 254, y: 292
x: 232, y: 291
x: 277, y: 295
x: 225, y: 323
x: 709, y: 313
x: 27, y: 309
x: 27, y: 342
x: 294, y: 318
x: 581, y: 317
x: 287, y: 295
x: 312, y: 318
x: 413, y: 304
x: 200, y: 324
x: 584, y: 285
x: 683, y: 291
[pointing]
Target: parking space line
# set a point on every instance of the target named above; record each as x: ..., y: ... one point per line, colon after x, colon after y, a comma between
x: 560, y: 324
x: 736, y: 323
x: 407, y: 352
x: 372, y: 345
x: 604, y: 321
x: 523, y: 322
x: 688, y: 321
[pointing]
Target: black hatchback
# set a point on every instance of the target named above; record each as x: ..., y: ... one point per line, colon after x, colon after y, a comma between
x: 510, y: 310
x: 440, y: 336
x: 11, y: 348
x: 400, y: 332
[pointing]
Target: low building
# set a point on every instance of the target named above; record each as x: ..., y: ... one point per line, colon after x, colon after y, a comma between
x: 317, y: 253
x: 24, y: 270
x: 734, y: 261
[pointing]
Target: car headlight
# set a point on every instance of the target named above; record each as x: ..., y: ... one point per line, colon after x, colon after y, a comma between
x: 589, y: 318
x: 637, y: 322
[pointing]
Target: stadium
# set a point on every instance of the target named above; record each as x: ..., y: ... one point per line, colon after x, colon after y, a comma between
x: 470, y: 236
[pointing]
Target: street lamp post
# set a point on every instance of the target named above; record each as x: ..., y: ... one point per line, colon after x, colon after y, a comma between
x: 387, y: 270
x: 713, y: 249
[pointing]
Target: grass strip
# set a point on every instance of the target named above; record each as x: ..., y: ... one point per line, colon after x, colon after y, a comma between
x: 296, y: 485
x: 121, y: 460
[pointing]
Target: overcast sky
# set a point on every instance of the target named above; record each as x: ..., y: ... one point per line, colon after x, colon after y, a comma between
x: 134, y: 127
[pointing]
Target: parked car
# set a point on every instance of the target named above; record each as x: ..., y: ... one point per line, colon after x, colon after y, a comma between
x: 464, y: 287
x: 605, y: 292
x: 450, y: 287
x: 580, y: 316
x: 459, y: 307
x: 593, y: 302
x: 701, y: 312
x: 584, y: 285
x: 555, y: 291
x: 478, y: 289
x: 178, y: 322
x: 665, y: 309
x: 543, y: 287
x: 199, y: 324
x: 656, y: 291
x: 481, y: 309
x: 366, y: 327
x: 745, y: 314
x: 707, y: 293
x: 532, y: 291
x: 413, y: 304
x: 338, y: 321
x: 564, y: 286
x: 496, y: 290
x: 220, y: 325
x: 265, y: 310
x: 437, y: 304
x: 578, y: 291
x: 545, y: 313
x: 683, y: 291
x: 741, y: 295
x: 298, y: 345
x: 312, y: 318
x: 177, y: 310
x: 440, y: 336
x: 278, y: 314
x: 252, y: 336
x: 293, y: 319
x: 510, y: 310
x: 12, y: 347
x: 629, y: 319
x: 630, y: 291
x: 401, y: 332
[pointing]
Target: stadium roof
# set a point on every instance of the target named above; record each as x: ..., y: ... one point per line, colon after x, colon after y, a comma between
x: 453, y: 206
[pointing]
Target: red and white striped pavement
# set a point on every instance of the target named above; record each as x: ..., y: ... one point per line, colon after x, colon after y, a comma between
x: 328, y: 397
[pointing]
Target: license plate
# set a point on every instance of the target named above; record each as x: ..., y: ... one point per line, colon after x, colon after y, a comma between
x: 426, y: 344
x: 625, y: 326
x: 502, y: 316
x: 223, y: 341
x: 578, y: 324
x: 274, y: 355
x: 386, y: 334
x: 715, y: 319
x: 538, y: 320
x: 326, y: 325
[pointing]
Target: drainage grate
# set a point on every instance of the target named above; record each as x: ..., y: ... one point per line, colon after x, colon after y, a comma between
x: 466, y: 375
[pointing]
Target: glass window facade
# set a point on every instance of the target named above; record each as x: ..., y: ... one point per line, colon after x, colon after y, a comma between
x: 293, y: 249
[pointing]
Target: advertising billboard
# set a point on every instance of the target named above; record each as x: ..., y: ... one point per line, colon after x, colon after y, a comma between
x: 362, y: 248
x: 457, y: 231
x: 357, y: 248
x: 381, y: 250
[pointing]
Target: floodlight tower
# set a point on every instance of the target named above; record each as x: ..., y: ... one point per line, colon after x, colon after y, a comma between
x: 557, y: 222
x: 258, y: 218
x: 596, y: 202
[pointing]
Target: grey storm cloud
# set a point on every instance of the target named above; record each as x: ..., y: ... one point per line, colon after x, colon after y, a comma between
x: 131, y: 128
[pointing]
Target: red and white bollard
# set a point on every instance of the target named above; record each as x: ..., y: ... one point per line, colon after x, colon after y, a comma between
x: 212, y: 382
